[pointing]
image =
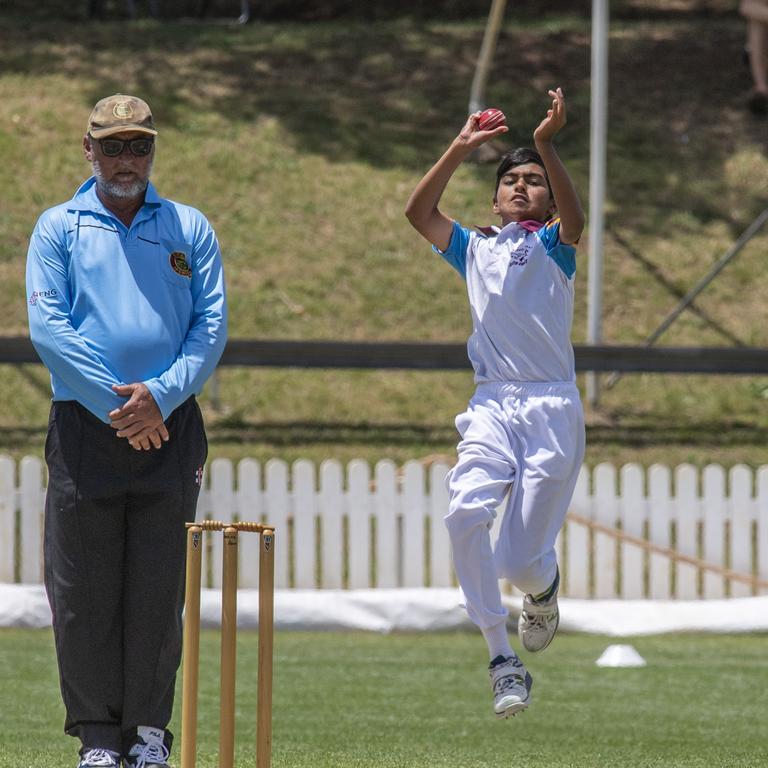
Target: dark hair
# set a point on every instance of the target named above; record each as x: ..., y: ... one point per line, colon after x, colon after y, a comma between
x: 519, y: 156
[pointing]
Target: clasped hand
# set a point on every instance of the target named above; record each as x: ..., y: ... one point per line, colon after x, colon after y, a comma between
x: 139, y: 420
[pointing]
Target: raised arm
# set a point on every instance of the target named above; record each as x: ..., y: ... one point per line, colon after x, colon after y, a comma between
x: 563, y: 191
x: 421, y: 209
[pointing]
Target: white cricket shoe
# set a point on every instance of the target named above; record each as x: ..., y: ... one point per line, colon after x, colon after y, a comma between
x: 149, y: 750
x: 538, y: 621
x: 511, y: 684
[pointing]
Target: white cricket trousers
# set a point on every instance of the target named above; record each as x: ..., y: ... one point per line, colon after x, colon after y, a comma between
x: 525, y: 438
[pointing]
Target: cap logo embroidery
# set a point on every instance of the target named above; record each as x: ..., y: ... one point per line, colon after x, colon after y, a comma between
x: 179, y: 264
x: 122, y: 110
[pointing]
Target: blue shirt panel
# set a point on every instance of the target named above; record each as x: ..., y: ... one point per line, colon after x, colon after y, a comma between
x: 562, y: 254
x: 109, y: 304
x: 456, y: 252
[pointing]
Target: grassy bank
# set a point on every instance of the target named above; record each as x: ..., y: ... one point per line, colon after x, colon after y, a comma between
x: 302, y: 142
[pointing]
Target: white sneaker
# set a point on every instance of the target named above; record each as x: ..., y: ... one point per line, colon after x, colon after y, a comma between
x: 511, y: 684
x: 98, y: 758
x: 149, y: 750
x: 538, y: 621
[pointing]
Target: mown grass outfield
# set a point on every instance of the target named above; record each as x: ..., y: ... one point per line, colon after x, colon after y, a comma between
x: 357, y: 700
x: 302, y: 141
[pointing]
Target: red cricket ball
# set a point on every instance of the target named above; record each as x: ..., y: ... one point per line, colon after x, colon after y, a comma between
x: 490, y: 119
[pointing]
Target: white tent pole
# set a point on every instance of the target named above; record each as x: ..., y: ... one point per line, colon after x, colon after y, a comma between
x: 597, y: 159
x: 487, y: 49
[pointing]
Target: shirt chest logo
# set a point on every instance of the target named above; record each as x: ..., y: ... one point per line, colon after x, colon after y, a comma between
x: 520, y: 256
x: 179, y: 264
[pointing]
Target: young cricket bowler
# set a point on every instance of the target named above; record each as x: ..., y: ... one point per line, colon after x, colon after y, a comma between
x: 523, y: 432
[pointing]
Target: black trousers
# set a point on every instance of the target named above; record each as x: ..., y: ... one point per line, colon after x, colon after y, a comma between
x: 114, y: 568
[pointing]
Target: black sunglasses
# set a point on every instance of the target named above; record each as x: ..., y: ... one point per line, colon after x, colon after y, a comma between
x: 115, y: 147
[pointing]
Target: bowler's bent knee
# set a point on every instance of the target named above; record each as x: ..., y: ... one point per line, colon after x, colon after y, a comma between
x: 462, y: 520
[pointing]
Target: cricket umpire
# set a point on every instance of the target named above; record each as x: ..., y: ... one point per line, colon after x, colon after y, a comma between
x: 127, y: 310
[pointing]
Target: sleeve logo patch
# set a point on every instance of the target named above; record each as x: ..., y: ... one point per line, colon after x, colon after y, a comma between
x: 179, y: 264
x: 36, y: 295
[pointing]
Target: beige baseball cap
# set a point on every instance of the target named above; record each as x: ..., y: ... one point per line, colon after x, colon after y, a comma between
x: 119, y: 113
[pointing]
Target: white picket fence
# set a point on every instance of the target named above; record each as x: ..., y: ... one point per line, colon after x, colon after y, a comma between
x: 357, y: 527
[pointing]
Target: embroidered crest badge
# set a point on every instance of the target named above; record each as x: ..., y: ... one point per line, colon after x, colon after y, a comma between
x: 179, y: 264
x: 123, y: 110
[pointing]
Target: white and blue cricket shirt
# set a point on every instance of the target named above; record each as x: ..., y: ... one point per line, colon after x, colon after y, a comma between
x: 520, y: 286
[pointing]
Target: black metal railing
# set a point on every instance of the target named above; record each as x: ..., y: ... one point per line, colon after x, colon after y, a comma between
x: 276, y: 353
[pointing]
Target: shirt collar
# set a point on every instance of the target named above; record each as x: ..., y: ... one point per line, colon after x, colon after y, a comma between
x: 86, y: 199
x: 512, y: 229
x: 532, y: 225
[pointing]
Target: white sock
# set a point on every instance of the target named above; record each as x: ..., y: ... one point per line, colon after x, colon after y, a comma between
x: 497, y: 640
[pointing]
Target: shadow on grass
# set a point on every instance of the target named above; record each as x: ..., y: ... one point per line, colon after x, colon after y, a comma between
x: 16, y: 438
x: 319, y: 10
x: 673, y: 289
x: 395, y: 93
x: 290, y: 433
x: 693, y: 434
x: 384, y: 94
x: 436, y: 437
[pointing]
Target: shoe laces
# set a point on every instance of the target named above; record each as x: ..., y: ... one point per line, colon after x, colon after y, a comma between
x: 149, y: 754
x: 99, y: 757
x: 512, y: 676
x: 503, y: 684
x: 539, y: 613
x: 539, y: 619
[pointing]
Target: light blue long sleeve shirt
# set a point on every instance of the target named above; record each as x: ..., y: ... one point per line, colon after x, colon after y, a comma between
x: 110, y: 304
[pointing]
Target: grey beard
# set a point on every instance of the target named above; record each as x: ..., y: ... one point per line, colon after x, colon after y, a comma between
x: 114, y: 189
